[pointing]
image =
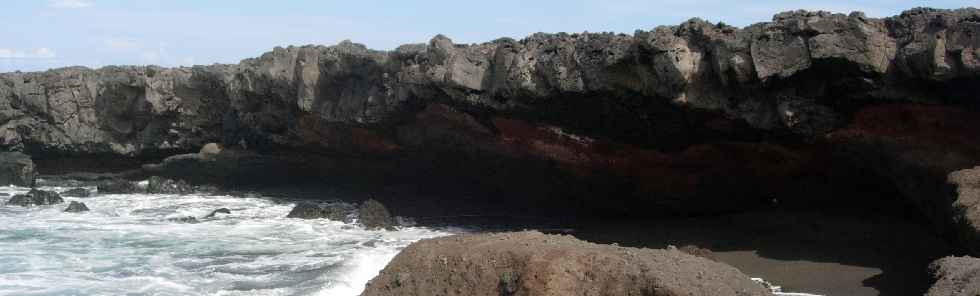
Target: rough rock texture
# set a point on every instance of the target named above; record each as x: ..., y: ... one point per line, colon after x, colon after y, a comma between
x: 374, y: 215
x: 159, y: 185
x: 76, y: 207
x: 966, y: 206
x: 334, y: 211
x: 76, y: 192
x: 695, y: 118
x: 16, y: 169
x: 36, y: 198
x: 531, y: 263
x: 956, y: 276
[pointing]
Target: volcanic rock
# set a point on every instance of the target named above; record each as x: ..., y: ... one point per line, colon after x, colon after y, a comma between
x: 16, y: 169
x: 532, y: 263
x: 36, y: 198
x: 76, y: 207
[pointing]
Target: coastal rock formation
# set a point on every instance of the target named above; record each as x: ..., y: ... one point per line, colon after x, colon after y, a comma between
x: 36, y: 198
x: 16, y: 169
x: 76, y: 207
x: 374, y: 215
x: 159, y: 185
x: 532, y: 263
x: 956, y: 276
x: 696, y: 118
x: 334, y: 211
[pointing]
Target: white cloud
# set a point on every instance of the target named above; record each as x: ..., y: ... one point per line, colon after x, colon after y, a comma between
x: 69, y: 4
x: 37, y: 53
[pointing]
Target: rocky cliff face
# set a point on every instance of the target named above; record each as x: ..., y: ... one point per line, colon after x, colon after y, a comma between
x: 793, y: 74
x: 697, y: 117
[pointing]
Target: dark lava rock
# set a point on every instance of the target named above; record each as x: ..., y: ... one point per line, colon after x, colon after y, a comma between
x: 76, y: 192
x: 215, y: 212
x: 956, y: 276
x: 374, y: 215
x: 118, y: 186
x: 76, y: 207
x: 36, y: 198
x: 335, y: 211
x: 532, y: 263
x: 160, y: 185
x: 188, y: 220
x: 16, y: 169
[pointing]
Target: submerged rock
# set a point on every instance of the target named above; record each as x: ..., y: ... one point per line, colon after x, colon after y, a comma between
x: 118, y: 186
x: 16, y: 169
x: 36, y: 197
x: 76, y: 207
x: 956, y: 276
x: 160, y: 185
x: 188, y: 220
x: 335, y: 211
x: 215, y: 212
x: 532, y: 263
x: 76, y: 192
x: 374, y: 215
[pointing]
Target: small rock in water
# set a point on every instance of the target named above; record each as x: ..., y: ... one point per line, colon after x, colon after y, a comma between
x: 188, y: 219
x: 117, y: 186
x: 215, y: 212
x: 36, y: 198
x: 160, y: 185
x: 374, y: 215
x: 16, y: 169
x: 77, y: 192
x: 306, y: 210
x: 76, y: 207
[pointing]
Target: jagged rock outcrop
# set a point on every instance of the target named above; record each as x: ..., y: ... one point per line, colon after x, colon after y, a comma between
x: 373, y: 215
x: 16, y: 169
x: 693, y: 118
x: 76, y: 207
x: 531, y: 263
x: 955, y: 276
x: 328, y: 96
x: 36, y: 197
x: 159, y: 185
x: 333, y: 211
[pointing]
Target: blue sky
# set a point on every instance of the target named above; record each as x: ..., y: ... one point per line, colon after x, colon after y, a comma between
x: 42, y: 34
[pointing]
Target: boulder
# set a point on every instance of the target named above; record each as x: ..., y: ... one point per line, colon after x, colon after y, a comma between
x: 215, y: 212
x: 16, y: 169
x: 955, y: 276
x: 374, y: 215
x: 334, y: 211
x: 160, y: 185
x: 118, y: 186
x: 36, y: 198
x: 532, y: 263
x: 76, y: 207
x: 76, y: 192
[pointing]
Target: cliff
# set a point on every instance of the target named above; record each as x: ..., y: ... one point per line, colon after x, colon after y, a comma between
x: 693, y: 118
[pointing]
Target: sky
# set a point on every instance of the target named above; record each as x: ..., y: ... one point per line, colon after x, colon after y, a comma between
x: 41, y: 34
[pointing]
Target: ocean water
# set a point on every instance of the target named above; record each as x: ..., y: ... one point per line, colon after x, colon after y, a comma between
x: 127, y: 246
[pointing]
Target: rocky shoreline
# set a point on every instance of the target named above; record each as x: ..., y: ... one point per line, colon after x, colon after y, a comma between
x: 694, y: 120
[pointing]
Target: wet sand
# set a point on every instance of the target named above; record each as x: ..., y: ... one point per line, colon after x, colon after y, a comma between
x: 839, y: 253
